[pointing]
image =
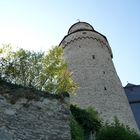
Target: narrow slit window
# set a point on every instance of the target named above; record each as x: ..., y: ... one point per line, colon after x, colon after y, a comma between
x: 105, y: 88
x: 93, y: 56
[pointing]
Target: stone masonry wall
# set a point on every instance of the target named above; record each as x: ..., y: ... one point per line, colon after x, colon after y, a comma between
x: 89, y: 57
x: 26, y: 114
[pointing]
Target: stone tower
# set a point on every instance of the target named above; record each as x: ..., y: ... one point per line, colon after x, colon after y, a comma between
x: 89, y: 57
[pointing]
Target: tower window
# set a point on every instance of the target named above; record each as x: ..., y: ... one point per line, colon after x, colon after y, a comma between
x: 103, y: 72
x: 93, y: 56
x: 105, y: 88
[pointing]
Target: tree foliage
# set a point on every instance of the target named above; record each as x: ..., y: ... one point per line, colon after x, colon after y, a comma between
x: 116, y: 131
x: 47, y: 72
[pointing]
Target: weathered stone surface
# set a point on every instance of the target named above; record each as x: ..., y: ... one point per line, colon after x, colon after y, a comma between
x: 89, y: 57
x: 46, y: 118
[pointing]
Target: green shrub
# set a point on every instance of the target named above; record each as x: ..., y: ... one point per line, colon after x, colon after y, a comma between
x: 77, y: 132
x: 116, y: 131
x: 87, y: 118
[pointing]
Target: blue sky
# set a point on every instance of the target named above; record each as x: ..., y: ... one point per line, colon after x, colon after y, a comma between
x: 39, y: 24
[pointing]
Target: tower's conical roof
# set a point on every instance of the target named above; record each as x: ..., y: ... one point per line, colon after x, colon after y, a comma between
x: 80, y: 26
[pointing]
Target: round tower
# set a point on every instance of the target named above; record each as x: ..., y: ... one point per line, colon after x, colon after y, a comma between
x: 89, y: 57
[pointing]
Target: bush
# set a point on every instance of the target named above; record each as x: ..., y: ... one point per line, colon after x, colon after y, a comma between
x: 77, y: 132
x: 87, y: 118
x: 116, y: 131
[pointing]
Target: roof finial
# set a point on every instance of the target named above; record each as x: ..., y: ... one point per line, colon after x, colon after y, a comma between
x: 78, y: 20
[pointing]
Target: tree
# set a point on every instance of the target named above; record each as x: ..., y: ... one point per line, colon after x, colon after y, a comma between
x: 43, y: 71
